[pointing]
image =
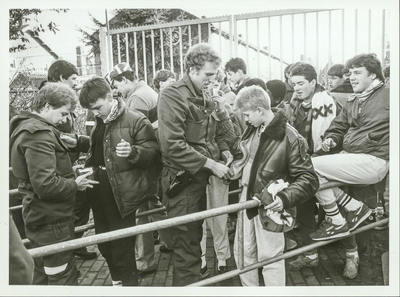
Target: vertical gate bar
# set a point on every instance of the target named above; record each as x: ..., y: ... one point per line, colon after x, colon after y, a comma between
x: 199, y: 31
x: 144, y: 55
x: 258, y: 48
x: 180, y: 50
x: 355, y: 31
x: 292, y: 38
x: 317, y: 41
x: 383, y: 35
x: 103, y: 51
x: 330, y: 39
x: 209, y: 32
x: 343, y: 35
x: 171, y: 49
x: 110, y: 46
x: 280, y: 46
x: 305, y: 34
x: 247, y: 46
x: 118, y: 49
x: 152, y: 53
x: 269, y: 48
x: 220, y: 38
x: 369, y: 30
x: 190, y: 35
x: 231, y: 20
x: 236, y: 41
x: 127, y: 48
x: 162, y: 48
x: 136, y: 55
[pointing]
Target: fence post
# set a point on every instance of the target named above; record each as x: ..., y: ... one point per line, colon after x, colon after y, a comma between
x: 103, y: 51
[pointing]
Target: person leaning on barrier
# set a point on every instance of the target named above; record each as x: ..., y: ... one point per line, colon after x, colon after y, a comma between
x: 276, y: 170
x: 361, y: 135
x: 47, y: 182
x: 184, y: 117
x: 126, y: 160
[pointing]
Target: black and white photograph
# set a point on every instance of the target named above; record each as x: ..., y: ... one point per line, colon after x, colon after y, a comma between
x: 199, y: 147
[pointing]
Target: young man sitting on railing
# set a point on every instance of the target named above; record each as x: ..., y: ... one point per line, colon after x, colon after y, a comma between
x: 275, y: 169
x: 361, y: 131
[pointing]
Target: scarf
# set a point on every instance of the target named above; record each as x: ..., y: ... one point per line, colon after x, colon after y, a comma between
x: 113, y: 113
x: 376, y: 84
x: 319, y: 118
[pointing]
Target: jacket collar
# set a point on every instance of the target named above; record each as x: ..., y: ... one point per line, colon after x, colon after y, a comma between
x: 276, y: 130
x: 135, y: 87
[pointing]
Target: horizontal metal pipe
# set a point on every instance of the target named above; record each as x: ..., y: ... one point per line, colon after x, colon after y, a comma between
x: 131, y: 231
x: 283, y: 256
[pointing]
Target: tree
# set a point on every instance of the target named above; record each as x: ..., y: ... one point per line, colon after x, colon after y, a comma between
x: 143, y: 17
x: 18, y: 17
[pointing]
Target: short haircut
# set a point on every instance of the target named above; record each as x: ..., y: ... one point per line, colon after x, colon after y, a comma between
x: 255, y: 82
x: 277, y: 88
x: 56, y: 95
x: 304, y: 69
x: 162, y: 75
x: 92, y: 90
x: 369, y: 61
x: 250, y: 98
x: 336, y: 70
x: 63, y: 68
x: 199, y: 54
x: 234, y: 64
x: 386, y: 72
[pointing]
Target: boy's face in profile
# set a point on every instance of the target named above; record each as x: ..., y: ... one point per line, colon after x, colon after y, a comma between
x: 335, y: 81
x: 102, y: 107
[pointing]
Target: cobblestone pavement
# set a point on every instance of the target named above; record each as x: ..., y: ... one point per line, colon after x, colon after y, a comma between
x: 372, y: 244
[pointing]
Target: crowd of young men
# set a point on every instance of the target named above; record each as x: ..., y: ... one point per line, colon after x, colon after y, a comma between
x: 184, y: 146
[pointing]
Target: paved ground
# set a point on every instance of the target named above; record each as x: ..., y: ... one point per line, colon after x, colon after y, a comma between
x: 372, y: 245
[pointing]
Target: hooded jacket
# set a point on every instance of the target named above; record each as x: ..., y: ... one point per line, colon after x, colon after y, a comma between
x: 41, y: 163
x: 281, y: 154
x: 132, y: 179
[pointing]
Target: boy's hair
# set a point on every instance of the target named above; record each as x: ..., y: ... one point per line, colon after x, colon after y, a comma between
x: 287, y: 71
x: 304, y: 69
x: 234, y: 64
x: 336, y: 70
x: 199, y: 54
x: 386, y: 72
x: 56, y: 95
x: 162, y: 75
x: 63, y: 68
x: 92, y: 90
x: 255, y: 82
x: 277, y: 88
x: 250, y: 98
x: 369, y: 61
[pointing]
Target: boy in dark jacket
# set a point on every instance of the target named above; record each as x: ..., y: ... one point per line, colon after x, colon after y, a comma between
x: 41, y: 163
x: 275, y: 168
x: 126, y: 160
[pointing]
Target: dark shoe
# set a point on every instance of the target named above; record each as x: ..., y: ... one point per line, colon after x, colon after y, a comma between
x: 85, y: 254
x: 165, y: 250
x: 146, y: 272
x: 328, y: 230
x: 356, y: 217
x: 222, y: 269
x: 304, y: 261
x: 204, y: 272
x: 290, y: 244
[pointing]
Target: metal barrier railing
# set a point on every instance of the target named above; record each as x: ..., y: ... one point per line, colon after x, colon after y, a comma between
x: 238, y: 271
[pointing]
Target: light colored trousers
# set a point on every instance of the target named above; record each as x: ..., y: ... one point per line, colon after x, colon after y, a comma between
x: 258, y: 245
x: 348, y: 168
x: 217, y: 196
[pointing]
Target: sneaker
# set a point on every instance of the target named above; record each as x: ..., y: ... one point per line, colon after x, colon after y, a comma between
x: 328, y: 230
x: 304, y: 261
x: 83, y: 253
x: 356, y: 217
x: 380, y: 217
x: 351, y: 268
x: 204, y: 272
x: 222, y: 269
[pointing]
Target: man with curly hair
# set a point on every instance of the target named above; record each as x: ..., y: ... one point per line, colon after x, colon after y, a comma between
x: 188, y: 118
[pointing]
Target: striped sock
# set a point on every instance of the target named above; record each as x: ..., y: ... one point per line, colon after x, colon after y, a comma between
x: 348, y: 203
x: 335, y: 215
